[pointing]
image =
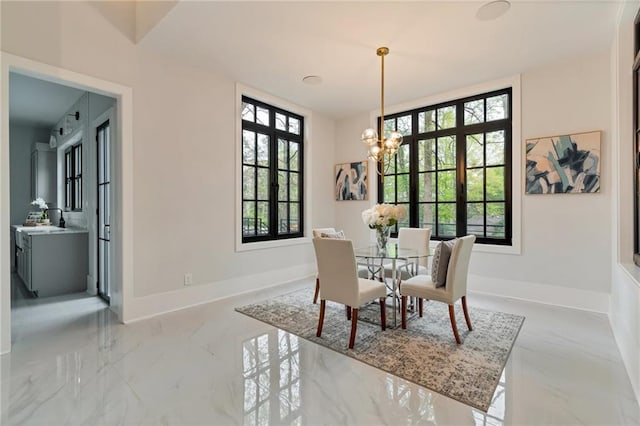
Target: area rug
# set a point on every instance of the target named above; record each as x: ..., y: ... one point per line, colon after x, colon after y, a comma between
x: 425, y: 353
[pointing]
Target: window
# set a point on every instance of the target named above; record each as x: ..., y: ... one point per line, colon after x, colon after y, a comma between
x: 272, y: 172
x: 73, y: 178
x: 453, y: 170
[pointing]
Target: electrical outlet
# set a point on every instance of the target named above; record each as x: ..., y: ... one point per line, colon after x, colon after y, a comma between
x: 188, y: 278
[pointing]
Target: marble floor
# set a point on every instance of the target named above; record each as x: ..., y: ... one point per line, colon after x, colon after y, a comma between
x: 73, y: 363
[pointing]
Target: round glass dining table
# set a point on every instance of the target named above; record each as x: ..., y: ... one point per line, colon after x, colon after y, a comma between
x: 376, y: 262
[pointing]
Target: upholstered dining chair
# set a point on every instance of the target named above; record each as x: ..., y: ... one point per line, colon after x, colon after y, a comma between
x: 340, y: 282
x: 455, y: 285
x: 318, y: 233
x: 416, y: 239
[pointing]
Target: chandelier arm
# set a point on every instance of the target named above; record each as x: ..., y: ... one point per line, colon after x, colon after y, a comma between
x: 382, y: 102
x: 385, y: 149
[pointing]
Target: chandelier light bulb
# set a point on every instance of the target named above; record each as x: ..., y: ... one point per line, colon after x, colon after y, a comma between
x: 370, y: 136
x: 374, y: 151
x: 396, y: 139
x: 388, y: 143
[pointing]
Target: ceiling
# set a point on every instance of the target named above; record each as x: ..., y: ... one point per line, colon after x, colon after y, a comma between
x: 434, y: 46
x: 37, y: 102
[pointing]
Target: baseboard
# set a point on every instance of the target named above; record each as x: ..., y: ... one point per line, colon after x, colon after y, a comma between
x: 574, y: 298
x: 162, y: 303
x: 92, y: 289
x: 623, y: 319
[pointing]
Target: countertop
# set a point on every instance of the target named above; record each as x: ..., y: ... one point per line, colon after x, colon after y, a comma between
x: 47, y: 230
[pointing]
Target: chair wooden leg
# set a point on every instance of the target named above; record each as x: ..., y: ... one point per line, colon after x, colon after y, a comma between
x: 466, y: 312
x: 354, y: 325
x: 420, y: 306
x: 321, y: 320
x: 383, y: 313
x: 317, y: 292
x: 452, y: 317
x: 348, y: 311
x: 404, y: 312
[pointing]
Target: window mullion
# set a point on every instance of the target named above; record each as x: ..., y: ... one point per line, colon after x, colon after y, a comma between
x: 461, y: 175
x: 414, y: 182
x: 484, y: 183
x: 273, y: 178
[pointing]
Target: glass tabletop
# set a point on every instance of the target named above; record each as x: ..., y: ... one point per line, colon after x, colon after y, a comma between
x: 392, y: 252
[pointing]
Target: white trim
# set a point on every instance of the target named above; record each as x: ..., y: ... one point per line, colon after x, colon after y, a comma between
x: 516, y: 148
x: 586, y: 300
x: 162, y: 303
x: 631, y: 271
x: 241, y: 90
x: 261, y: 245
x: 623, y: 320
x: 124, y: 156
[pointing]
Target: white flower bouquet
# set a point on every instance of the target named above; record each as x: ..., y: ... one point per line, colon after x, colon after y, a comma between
x: 383, y: 216
x: 42, y: 205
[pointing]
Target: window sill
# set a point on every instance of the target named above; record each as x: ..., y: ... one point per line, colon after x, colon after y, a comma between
x: 632, y: 271
x: 489, y: 248
x: 272, y: 244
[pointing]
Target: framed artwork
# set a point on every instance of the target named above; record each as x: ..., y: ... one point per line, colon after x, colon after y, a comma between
x: 563, y: 164
x: 351, y: 181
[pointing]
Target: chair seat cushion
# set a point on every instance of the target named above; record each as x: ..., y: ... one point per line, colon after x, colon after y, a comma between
x: 370, y: 290
x: 422, y: 286
x: 366, y: 271
x: 403, y: 272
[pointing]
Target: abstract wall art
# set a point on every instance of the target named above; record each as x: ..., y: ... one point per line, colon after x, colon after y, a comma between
x: 563, y: 164
x: 351, y: 181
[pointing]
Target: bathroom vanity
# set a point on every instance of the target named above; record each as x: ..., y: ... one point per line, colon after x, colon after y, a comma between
x: 52, y: 261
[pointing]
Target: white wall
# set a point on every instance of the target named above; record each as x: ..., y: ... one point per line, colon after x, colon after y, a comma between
x: 625, y: 280
x: 349, y: 148
x: 566, y: 243
x: 566, y: 239
x: 184, y: 141
x: 21, y: 140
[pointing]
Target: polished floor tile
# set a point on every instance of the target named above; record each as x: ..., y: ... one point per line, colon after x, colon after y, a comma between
x: 73, y: 363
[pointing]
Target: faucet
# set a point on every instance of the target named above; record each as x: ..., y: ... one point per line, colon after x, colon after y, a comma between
x: 61, y: 222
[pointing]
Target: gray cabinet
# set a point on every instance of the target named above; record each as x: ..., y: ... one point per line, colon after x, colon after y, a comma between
x: 43, y: 173
x: 54, y: 263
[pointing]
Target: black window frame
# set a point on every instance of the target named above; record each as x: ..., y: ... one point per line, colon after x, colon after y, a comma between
x: 460, y: 131
x: 73, y: 178
x: 275, y: 135
x: 636, y: 139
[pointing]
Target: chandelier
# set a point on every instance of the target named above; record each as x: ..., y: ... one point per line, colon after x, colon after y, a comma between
x: 382, y: 149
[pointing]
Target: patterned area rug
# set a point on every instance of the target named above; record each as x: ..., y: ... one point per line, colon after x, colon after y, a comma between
x: 425, y: 353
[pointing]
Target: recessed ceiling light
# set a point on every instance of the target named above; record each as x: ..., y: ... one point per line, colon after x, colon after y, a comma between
x: 492, y: 10
x: 312, y: 80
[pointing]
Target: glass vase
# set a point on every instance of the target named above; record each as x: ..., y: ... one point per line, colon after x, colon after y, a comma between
x: 382, y: 237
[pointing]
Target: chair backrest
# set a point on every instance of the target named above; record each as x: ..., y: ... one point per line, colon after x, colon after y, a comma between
x: 337, y: 270
x: 417, y: 239
x: 458, y: 269
x: 317, y: 232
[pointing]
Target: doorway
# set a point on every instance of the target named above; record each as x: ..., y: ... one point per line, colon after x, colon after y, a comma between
x: 122, y: 153
x: 66, y: 258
